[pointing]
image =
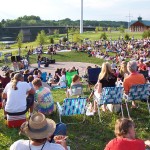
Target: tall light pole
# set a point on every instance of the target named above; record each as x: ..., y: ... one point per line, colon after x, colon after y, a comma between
x: 81, y: 20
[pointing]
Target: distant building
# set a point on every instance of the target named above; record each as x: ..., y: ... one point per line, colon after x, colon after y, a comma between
x: 139, y: 25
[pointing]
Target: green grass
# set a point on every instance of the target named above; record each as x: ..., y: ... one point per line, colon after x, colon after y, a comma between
x: 90, y: 135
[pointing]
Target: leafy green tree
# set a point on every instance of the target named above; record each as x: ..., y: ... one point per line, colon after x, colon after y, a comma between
x: 146, y: 34
x: 19, y: 42
x: 103, y: 36
x: 96, y: 29
x: 109, y: 29
x: 56, y: 33
x: 121, y: 29
x: 2, y: 46
x: 20, y: 39
x: 100, y: 28
x: 41, y: 38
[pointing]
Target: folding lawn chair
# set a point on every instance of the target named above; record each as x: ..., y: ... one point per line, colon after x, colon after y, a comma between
x: 110, y: 95
x: 138, y: 92
x: 72, y: 106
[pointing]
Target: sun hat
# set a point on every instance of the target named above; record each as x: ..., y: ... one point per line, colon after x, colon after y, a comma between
x: 38, y: 127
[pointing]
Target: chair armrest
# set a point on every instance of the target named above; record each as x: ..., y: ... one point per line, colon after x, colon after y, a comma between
x: 59, y: 108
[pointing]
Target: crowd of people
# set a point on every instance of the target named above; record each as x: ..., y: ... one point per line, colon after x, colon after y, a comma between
x: 24, y: 91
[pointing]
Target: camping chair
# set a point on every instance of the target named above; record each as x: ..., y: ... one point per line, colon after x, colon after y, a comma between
x: 137, y: 92
x: 69, y: 76
x: 76, y: 90
x: 43, y: 76
x: 93, y: 74
x: 110, y: 95
x: 72, y: 106
x: 145, y: 73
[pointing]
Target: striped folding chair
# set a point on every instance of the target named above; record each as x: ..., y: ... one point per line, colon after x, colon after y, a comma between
x: 72, y: 106
x: 110, y: 95
x: 137, y: 92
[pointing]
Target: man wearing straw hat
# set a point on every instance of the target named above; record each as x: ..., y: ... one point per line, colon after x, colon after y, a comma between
x: 39, y: 130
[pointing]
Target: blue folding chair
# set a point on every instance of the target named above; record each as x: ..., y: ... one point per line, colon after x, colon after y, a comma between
x: 43, y: 76
x: 93, y: 74
x: 72, y: 106
x: 137, y: 92
x: 110, y: 95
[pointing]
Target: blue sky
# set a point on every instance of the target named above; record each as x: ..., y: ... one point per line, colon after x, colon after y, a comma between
x: 115, y: 10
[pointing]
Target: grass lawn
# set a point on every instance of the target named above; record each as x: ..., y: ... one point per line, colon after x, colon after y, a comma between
x: 90, y: 135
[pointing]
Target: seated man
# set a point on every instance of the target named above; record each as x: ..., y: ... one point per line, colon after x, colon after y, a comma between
x: 125, y: 137
x: 41, y: 131
x: 43, y: 98
x: 133, y: 78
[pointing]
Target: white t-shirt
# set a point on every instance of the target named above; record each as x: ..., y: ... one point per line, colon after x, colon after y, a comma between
x: 63, y: 81
x: 16, y: 99
x: 24, y: 145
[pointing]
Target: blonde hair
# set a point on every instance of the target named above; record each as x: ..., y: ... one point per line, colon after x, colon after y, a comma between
x: 105, y: 71
x: 17, y: 77
x: 123, y: 68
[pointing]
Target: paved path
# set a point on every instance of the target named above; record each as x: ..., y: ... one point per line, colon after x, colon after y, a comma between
x: 52, y: 67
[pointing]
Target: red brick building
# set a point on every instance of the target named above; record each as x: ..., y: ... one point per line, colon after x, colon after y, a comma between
x: 139, y: 25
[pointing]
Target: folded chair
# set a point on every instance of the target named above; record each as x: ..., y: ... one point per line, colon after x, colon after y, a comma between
x: 110, y: 95
x: 137, y: 92
x: 72, y: 106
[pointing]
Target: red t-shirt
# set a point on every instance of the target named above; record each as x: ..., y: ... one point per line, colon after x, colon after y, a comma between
x: 125, y: 144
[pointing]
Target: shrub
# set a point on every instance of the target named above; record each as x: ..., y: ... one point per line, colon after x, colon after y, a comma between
x: 127, y: 37
x: 103, y: 36
x: 146, y: 34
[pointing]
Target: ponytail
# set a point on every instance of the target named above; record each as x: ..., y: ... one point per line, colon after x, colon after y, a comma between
x: 17, y: 77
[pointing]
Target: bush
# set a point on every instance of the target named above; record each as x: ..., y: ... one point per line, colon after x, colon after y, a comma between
x: 103, y: 36
x: 127, y: 37
x: 64, y: 39
x: 51, y: 40
x: 146, y: 34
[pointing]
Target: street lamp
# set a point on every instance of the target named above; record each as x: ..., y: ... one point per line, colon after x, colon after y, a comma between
x: 67, y: 33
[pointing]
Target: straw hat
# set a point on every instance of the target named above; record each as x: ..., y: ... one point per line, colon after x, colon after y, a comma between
x: 38, y: 127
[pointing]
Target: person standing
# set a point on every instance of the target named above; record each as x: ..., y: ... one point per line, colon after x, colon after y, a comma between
x: 39, y: 61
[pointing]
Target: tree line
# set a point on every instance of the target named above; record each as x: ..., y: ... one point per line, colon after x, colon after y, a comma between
x: 37, y: 21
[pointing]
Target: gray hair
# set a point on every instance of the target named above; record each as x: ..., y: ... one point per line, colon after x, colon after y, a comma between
x: 132, y: 66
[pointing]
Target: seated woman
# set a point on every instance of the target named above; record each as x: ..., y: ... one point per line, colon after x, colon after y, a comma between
x: 123, y: 72
x: 125, y: 137
x: 106, y: 79
x: 62, y: 81
x: 16, y: 105
x: 43, y: 98
x: 75, y: 81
